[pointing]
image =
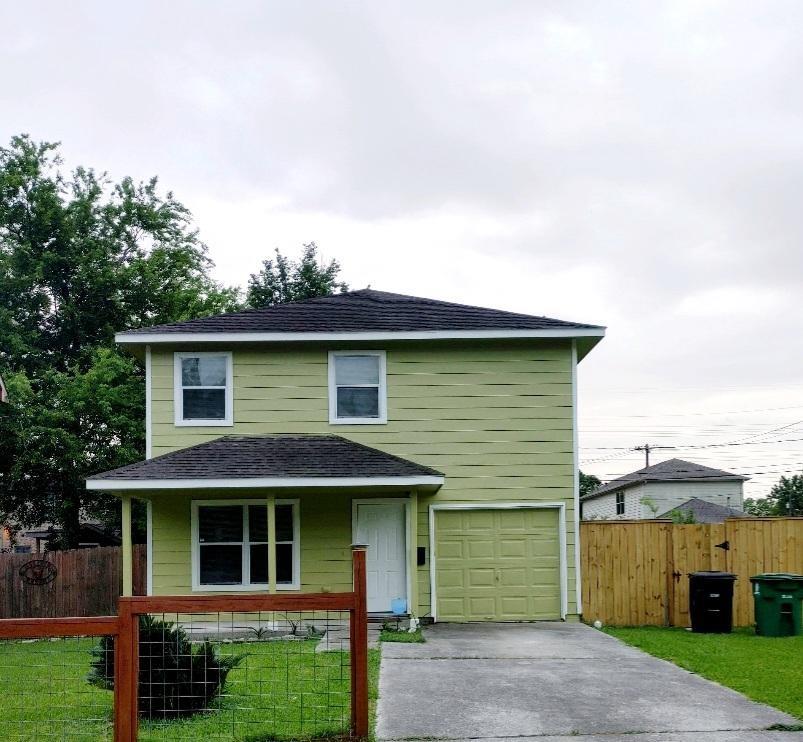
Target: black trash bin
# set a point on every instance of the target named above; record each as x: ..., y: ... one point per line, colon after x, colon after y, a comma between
x: 711, y: 602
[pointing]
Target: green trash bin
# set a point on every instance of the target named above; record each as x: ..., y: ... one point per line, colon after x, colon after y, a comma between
x: 779, y: 604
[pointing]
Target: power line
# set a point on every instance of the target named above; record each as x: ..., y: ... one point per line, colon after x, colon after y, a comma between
x: 690, y: 446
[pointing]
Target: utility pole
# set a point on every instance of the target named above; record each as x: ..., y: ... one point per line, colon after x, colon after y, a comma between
x: 646, y: 449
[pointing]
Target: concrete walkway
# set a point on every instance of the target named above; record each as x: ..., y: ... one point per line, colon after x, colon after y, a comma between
x: 555, y: 682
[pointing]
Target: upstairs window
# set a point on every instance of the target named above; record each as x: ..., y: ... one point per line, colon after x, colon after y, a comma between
x: 203, y: 389
x: 620, y: 503
x: 357, y: 387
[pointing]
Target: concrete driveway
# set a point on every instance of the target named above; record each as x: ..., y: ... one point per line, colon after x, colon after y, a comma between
x: 551, y: 682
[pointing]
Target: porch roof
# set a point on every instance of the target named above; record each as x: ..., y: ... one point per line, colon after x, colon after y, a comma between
x: 274, y: 461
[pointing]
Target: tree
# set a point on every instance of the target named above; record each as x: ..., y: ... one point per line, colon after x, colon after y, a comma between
x: 588, y: 483
x: 786, y: 497
x: 760, y: 507
x: 80, y: 258
x: 281, y: 280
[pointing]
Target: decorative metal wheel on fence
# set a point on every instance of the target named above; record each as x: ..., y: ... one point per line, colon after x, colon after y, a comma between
x: 234, y: 667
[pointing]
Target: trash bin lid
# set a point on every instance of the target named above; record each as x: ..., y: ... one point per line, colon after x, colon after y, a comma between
x: 777, y: 577
x: 713, y: 575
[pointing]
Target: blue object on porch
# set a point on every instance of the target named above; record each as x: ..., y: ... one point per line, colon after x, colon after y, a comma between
x: 398, y: 606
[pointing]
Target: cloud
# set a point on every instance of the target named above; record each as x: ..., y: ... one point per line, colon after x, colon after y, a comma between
x: 636, y: 165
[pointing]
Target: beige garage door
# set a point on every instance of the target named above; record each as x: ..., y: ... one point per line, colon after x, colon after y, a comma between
x: 497, y: 565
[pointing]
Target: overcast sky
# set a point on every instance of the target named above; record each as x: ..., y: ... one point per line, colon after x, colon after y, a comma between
x: 638, y: 165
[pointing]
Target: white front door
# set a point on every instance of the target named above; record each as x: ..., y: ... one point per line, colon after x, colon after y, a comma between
x: 382, y: 527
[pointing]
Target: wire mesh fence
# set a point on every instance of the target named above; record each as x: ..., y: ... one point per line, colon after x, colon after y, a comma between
x: 45, y: 693
x: 253, y: 668
x: 212, y: 676
x: 244, y: 676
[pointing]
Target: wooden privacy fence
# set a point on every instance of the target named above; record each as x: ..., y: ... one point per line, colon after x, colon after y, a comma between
x: 635, y: 573
x: 257, y: 705
x: 87, y: 583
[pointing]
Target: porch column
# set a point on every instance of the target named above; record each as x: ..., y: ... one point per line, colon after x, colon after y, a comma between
x: 412, y: 554
x: 271, y: 544
x: 128, y: 549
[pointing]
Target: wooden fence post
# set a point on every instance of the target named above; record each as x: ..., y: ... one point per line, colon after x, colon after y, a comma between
x: 358, y: 637
x: 126, y: 673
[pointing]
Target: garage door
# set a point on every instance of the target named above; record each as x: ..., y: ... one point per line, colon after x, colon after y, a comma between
x: 497, y: 565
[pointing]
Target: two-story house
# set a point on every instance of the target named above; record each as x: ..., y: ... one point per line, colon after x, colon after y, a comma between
x: 442, y: 435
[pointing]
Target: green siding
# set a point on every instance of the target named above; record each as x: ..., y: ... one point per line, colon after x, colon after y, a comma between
x: 325, y: 539
x: 496, y: 419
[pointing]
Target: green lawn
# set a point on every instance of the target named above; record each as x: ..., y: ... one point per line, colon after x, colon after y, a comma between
x: 766, y: 669
x: 402, y: 637
x: 281, y: 690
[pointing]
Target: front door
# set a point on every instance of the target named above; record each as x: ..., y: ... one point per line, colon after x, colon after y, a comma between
x: 382, y: 527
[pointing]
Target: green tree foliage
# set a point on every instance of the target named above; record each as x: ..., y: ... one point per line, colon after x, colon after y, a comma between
x: 281, y: 280
x: 760, y: 507
x: 80, y: 258
x: 588, y: 483
x: 786, y: 497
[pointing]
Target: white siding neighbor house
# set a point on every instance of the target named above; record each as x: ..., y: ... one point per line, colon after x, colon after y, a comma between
x: 655, y: 491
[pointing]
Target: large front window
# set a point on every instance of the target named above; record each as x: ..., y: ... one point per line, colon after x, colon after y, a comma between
x: 203, y: 389
x: 357, y: 387
x: 230, y: 544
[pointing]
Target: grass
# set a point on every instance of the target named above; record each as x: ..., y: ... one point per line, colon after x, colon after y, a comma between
x: 402, y: 637
x: 281, y: 691
x: 765, y: 669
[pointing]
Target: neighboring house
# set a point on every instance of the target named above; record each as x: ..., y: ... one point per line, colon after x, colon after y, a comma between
x: 442, y: 435
x: 35, y: 540
x: 661, y: 488
x: 702, y: 511
x: 91, y: 534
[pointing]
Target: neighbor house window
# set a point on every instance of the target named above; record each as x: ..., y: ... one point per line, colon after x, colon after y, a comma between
x: 357, y: 387
x: 620, y: 503
x: 203, y: 389
x: 230, y: 545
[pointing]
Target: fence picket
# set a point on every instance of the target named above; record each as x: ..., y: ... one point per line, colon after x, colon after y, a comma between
x: 87, y: 583
x: 630, y: 567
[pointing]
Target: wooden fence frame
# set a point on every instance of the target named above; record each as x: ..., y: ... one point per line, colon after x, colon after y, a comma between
x: 124, y: 628
x: 635, y: 572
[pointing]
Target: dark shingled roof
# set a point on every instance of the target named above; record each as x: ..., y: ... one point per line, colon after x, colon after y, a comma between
x: 705, y: 512
x: 673, y: 470
x: 285, y: 456
x: 365, y: 311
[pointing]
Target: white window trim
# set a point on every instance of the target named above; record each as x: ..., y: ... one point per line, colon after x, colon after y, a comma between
x: 178, y: 396
x: 617, y: 497
x: 383, y: 389
x: 259, y: 587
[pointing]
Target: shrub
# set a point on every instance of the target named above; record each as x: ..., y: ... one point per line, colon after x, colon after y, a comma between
x: 176, y: 677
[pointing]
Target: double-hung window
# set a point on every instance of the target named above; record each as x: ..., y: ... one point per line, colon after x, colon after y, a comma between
x: 620, y: 503
x: 203, y: 389
x: 357, y: 387
x: 230, y: 545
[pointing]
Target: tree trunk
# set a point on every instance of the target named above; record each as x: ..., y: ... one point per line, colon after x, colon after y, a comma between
x: 70, y: 518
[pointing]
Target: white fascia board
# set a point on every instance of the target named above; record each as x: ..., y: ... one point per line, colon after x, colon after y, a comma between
x: 268, y: 482
x: 301, y: 337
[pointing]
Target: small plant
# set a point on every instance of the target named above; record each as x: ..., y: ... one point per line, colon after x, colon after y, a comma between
x: 683, y: 517
x: 650, y: 504
x: 176, y: 677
